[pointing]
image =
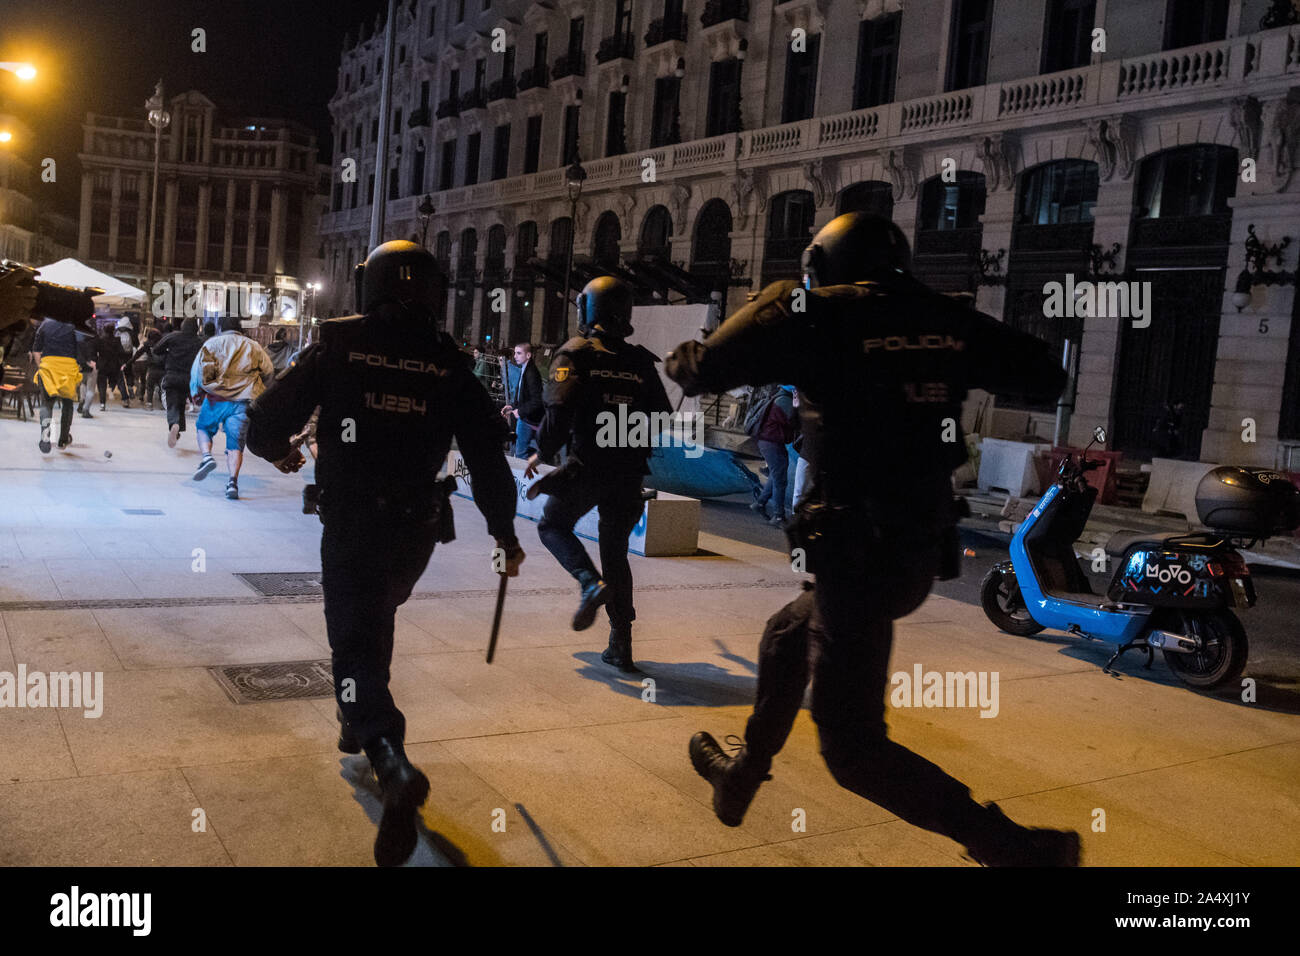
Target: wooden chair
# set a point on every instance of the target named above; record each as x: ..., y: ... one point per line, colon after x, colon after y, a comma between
x: 19, y: 388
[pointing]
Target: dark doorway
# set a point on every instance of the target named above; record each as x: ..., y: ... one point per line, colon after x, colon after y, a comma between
x: 1178, y: 243
x: 711, y: 250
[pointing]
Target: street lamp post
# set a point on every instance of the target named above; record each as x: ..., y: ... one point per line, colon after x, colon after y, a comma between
x: 575, y: 175
x: 426, y: 212
x: 313, y: 288
x: 158, y: 119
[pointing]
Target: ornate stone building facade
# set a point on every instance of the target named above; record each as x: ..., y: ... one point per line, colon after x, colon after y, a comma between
x: 239, y: 200
x: 1017, y: 143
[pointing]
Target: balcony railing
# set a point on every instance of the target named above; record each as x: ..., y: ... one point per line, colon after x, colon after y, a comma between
x: 502, y: 89
x: 661, y: 31
x: 619, y: 46
x: 419, y: 117
x: 533, y: 78
x: 472, y: 100
x: 719, y: 11
x: 572, y: 63
x: 448, y: 107
x: 1069, y: 97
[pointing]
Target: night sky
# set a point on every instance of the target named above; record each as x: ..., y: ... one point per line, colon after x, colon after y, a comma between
x: 267, y: 57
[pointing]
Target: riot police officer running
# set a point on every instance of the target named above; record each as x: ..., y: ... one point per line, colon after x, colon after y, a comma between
x: 591, y: 376
x: 882, y: 365
x: 393, y: 391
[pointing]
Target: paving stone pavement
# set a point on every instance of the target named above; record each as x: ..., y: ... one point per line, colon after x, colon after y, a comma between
x: 546, y: 757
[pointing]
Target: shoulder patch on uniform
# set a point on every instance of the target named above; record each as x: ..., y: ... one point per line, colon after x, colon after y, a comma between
x: 560, y: 373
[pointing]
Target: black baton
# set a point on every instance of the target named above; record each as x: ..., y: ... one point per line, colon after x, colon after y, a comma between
x: 496, y: 617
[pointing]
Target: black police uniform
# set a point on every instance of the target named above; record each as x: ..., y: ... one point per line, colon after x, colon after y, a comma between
x: 591, y: 375
x: 392, y: 394
x: 882, y: 369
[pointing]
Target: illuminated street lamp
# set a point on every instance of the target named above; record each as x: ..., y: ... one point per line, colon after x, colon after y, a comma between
x: 158, y: 119
x: 312, y: 287
x: 24, y: 71
x: 5, y: 136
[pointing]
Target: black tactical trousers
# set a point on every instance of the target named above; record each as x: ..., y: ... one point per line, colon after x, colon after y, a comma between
x: 371, y: 558
x: 618, y: 497
x: 841, y: 635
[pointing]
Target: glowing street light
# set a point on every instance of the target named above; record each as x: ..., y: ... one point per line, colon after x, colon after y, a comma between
x: 5, y: 136
x: 24, y: 71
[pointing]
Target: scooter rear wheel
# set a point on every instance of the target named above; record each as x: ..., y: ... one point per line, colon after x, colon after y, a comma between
x: 1222, y: 659
x: 1000, y: 598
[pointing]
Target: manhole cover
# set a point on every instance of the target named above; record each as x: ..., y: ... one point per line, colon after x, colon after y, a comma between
x: 283, y: 680
x: 284, y: 583
x: 142, y: 511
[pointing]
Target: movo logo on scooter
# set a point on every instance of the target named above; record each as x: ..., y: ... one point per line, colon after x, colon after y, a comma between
x: 1174, y: 572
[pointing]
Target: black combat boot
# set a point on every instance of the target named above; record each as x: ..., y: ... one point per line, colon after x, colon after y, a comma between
x: 1000, y: 841
x: 594, y: 594
x: 348, y: 742
x: 404, y: 790
x: 619, y: 652
x: 735, y: 779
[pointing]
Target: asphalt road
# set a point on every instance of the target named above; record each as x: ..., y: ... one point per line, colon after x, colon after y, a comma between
x: 1272, y: 626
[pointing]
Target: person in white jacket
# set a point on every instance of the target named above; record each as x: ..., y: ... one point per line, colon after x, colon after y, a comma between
x: 229, y: 372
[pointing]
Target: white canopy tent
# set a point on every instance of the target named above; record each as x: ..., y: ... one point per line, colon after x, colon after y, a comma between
x: 117, y: 294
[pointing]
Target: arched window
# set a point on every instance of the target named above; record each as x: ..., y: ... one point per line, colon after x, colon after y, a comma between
x: 656, y: 234
x: 1188, y: 181
x: 947, y: 206
x: 468, y: 253
x: 605, y: 241
x: 1058, y: 193
x: 712, y: 235
x: 789, y: 228
x: 521, y: 298
x: 495, y: 261
x: 555, y: 310
x: 711, y: 248
x: 872, y: 197
x: 561, y: 236
x: 442, y: 250
x: 525, y: 243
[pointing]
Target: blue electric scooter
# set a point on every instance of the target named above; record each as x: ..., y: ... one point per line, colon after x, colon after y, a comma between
x: 1171, y: 591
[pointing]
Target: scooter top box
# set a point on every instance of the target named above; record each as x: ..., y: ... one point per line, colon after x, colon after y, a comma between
x: 1248, y: 501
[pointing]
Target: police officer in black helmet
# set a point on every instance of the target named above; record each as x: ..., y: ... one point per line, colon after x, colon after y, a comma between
x: 393, y: 391
x: 597, y: 372
x: 882, y: 364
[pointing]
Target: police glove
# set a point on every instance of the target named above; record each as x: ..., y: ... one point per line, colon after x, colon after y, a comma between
x: 514, y: 556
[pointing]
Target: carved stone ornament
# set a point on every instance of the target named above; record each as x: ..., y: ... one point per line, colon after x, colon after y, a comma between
x: 625, y: 203
x: 1284, y: 141
x: 995, y: 152
x: 1246, y: 116
x: 901, y: 172
x: 581, y: 212
x: 818, y: 175
x: 1114, y: 139
x: 742, y: 187
x: 679, y: 197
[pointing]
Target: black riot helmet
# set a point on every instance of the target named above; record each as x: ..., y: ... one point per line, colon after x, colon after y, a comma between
x: 856, y: 247
x: 605, y: 304
x: 399, y: 272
